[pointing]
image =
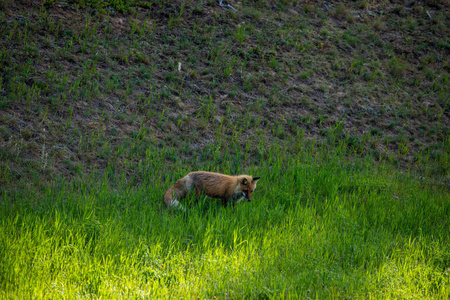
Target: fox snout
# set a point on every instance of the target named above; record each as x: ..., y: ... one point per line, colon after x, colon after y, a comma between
x: 245, y: 197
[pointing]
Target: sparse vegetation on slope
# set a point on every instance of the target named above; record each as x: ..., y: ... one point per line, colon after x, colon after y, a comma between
x: 82, y: 86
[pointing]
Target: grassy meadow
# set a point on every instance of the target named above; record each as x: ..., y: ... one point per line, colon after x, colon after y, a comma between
x: 341, y: 107
x: 320, y: 226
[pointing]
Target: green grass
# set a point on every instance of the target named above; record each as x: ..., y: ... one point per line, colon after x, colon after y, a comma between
x: 341, y: 107
x: 319, y: 226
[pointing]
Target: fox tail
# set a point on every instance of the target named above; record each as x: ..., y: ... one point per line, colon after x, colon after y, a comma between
x: 175, y: 192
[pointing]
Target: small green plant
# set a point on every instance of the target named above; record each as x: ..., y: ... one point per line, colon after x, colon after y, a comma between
x: 341, y: 11
x: 240, y: 33
x: 398, y: 67
x: 4, y: 4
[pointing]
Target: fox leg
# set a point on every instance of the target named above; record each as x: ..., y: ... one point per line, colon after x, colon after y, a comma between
x: 225, y: 202
x: 236, y: 197
x: 198, y: 194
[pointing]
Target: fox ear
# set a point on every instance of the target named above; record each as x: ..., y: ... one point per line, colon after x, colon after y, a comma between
x: 255, y: 179
x: 244, y: 181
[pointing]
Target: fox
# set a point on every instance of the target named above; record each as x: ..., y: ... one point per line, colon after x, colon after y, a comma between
x: 216, y: 185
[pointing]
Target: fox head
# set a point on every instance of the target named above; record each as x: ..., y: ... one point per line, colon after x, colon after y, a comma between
x: 247, y: 186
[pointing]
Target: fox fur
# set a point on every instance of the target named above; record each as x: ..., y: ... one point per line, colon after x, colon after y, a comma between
x: 215, y: 185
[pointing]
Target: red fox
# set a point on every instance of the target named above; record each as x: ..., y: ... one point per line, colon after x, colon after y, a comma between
x: 216, y: 185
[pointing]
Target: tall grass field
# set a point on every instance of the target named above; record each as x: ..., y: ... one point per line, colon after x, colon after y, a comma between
x: 320, y: 226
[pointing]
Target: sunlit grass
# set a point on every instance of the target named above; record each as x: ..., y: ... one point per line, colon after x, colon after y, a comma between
x: 319, y: 225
